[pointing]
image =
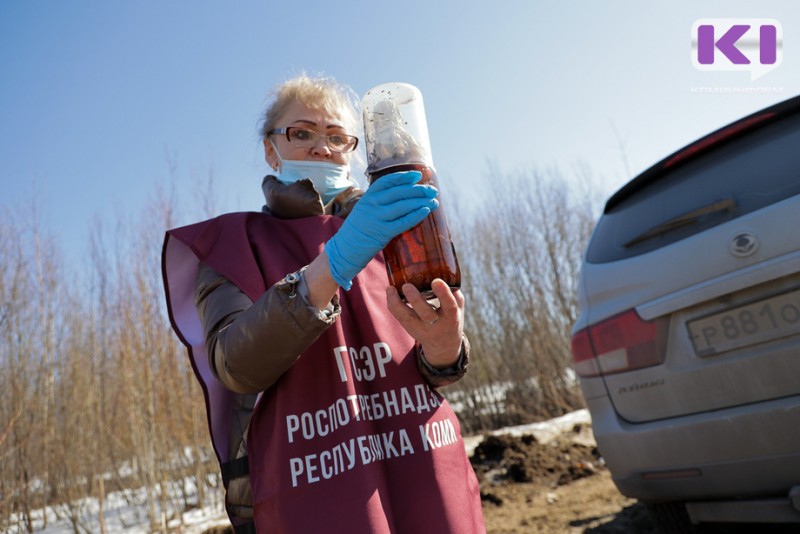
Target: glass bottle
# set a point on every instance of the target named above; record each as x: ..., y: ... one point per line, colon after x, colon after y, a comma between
x: 396, y: 139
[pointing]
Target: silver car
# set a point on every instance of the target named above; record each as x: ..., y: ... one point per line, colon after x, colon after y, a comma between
x: 688, y: 341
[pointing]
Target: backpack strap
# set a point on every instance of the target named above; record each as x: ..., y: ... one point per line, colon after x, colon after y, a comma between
x: 234, y: 469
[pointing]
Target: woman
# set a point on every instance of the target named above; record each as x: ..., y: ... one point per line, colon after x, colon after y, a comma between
x: 349, y: 433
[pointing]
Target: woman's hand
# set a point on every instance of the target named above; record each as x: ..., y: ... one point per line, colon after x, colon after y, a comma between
x: 437, y: 330
x: 391, y: 205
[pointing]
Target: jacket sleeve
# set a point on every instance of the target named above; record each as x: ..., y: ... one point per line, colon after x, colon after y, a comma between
x: 251, y: 344
x: 444, y: 377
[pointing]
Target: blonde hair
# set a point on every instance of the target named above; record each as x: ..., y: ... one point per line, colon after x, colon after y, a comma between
x: 320, y: 92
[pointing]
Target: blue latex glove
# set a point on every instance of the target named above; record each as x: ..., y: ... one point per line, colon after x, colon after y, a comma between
x: 392, y: 204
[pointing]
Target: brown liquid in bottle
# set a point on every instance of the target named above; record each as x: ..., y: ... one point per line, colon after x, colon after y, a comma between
x: 420, y: 255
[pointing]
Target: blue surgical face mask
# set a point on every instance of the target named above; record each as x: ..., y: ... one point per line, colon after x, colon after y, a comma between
x: 329, y: 179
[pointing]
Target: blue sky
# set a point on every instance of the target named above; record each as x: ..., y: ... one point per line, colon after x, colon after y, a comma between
x: 100, y: 101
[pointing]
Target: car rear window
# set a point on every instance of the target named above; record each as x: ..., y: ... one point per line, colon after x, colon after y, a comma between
x: 741, y: 176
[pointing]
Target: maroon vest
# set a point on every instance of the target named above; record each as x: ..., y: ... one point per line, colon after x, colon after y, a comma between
x: 351, y: 438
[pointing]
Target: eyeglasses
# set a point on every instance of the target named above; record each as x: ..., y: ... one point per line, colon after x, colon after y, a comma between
x: 302, y: 138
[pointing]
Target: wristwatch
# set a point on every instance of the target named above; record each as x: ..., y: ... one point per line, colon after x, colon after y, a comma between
x: 457, y: 369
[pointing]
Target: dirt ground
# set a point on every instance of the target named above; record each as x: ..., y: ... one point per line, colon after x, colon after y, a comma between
x: 556, y: 487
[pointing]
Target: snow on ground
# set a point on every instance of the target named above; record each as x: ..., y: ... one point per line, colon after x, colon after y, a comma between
x: 127, y: 511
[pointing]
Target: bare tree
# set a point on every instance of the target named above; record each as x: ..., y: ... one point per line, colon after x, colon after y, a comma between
x: 18, y: 373
x: 32, y: 301
x: 520, y: 253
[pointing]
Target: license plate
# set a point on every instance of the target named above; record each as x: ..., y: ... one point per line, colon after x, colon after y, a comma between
x: 758, y: 322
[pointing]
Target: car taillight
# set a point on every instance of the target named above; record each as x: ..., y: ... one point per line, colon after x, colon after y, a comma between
x: 621, y: 343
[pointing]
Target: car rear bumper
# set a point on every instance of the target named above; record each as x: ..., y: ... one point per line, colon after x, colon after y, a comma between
x: 745, y: 451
